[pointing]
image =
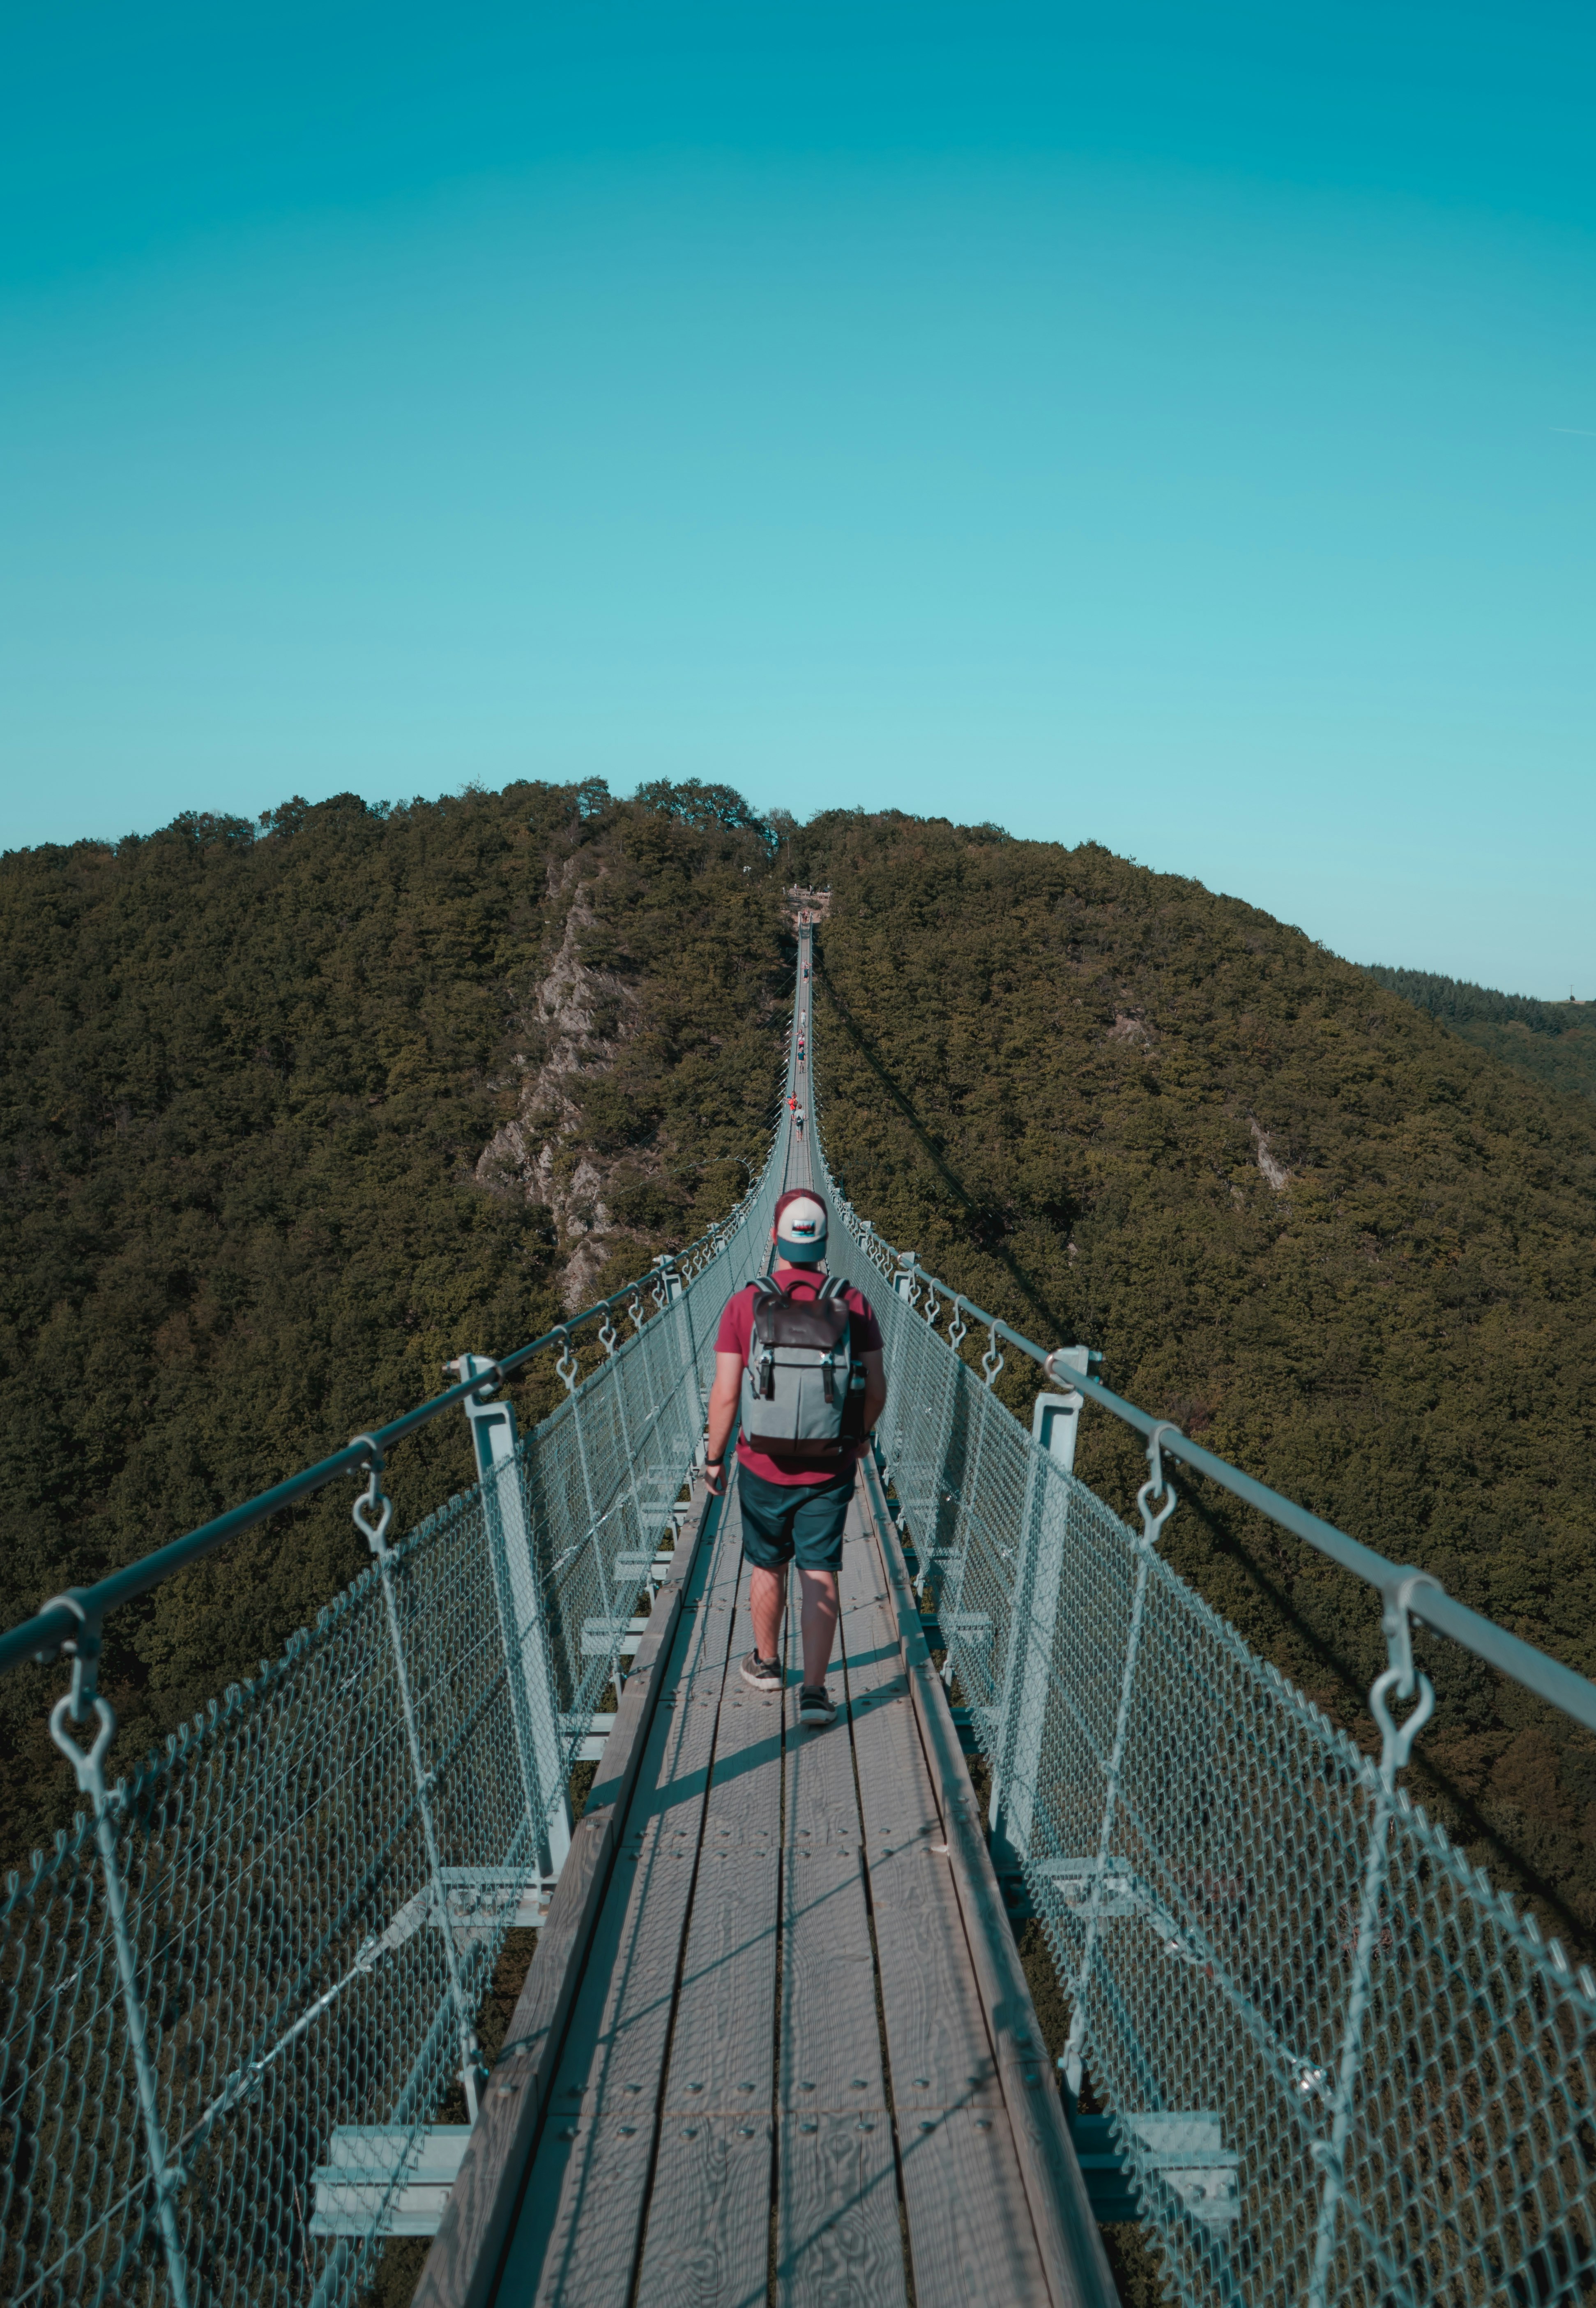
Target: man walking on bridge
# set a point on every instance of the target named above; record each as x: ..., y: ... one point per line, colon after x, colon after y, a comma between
x: 799, y: 1358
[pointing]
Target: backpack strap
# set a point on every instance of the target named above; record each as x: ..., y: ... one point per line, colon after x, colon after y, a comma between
x: 829, y: 1293
x: 761, y: 1366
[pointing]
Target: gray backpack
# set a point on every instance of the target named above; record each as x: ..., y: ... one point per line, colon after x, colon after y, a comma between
x: 803, y: 1392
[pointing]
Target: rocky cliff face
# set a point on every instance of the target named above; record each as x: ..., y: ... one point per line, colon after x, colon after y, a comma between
x: 574, y: 1021
x: 638, y: 1052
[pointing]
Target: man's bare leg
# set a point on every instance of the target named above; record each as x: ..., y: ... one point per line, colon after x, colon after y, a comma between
x: 766, y: 1602
x: 818, y: 1590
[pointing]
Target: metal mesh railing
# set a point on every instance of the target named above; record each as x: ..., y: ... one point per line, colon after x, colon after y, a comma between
x: 1340, y: 2067
x: 237, y: 1992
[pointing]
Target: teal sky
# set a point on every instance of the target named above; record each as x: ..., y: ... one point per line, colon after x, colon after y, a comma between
x: 1172, y: 426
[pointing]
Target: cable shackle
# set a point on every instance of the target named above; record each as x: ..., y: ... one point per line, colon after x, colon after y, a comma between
x: 87, y: 1763
x: 373, y: 1510
x: 82, y: 1648
x: 1401, y: 1677
x: 1157, y: 1484
x: 373, y: 1513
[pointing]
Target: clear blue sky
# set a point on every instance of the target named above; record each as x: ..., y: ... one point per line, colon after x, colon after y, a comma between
x: 1167, y: 425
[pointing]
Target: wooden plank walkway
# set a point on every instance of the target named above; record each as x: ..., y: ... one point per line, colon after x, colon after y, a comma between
x: 779, y: 2083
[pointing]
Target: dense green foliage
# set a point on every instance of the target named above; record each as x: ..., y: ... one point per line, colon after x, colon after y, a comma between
x: 1553, y: 1042
x: 1056, y: 1076
x: 252, y: 1075
x: 247, y: 1074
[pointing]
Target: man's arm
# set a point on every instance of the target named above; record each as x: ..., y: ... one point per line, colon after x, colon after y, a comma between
x: 725, y: 1395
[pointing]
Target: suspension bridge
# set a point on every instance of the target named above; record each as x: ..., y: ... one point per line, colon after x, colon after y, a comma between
x: 775, y: 2044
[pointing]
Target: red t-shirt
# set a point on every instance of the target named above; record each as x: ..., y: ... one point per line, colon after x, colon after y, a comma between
x: 736, y: 1335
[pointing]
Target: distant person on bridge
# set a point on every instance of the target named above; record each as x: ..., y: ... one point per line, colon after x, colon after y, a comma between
x: 798, y: 1120
x: 799, y: 1358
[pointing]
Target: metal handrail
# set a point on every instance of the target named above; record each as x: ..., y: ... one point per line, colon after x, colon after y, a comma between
x: 1421, y: 1594
x: 75, y: 1616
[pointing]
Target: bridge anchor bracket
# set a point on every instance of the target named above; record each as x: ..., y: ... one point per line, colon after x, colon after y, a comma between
x: 1181, y: 2151
x: 387, y: 2180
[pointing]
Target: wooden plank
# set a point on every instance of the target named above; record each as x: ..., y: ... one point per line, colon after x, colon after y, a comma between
x: 869, y: 1625
x: 621, y: 2025
x: 708, y: 2215
x: 822, y: 1804
x: 709, y: 2220
x: 829, y: 2056
x: 830, y: 2047
x: 970, y: 2234
x: 462, y: 2265
x: 1067, y: 2234
x: 568, y: 2244
x: 822, y: 1809
x: 895, y: 1787
x: 723, y: 2043
x: 939, y: 2050
x: 895, y: 1793
x: 839, y: 2238
x: 618, y: 2033
x: 744, y: 1803
x: 839, y: 2234
x: 579, y: 2231
x: 971, y: 2239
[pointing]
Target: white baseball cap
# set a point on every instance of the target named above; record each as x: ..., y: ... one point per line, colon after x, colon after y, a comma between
x: 800, y: 1227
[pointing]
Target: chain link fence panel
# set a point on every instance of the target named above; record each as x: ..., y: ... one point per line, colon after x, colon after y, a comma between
x: 1341, y: 2069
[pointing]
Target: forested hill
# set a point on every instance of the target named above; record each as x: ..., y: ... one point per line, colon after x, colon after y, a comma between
x: 1555, y: 1042
x: 294, y: 1113
x: 1298, y: 1215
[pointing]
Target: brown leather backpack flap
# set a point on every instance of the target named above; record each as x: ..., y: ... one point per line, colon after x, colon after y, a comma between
x: 793, y: 1324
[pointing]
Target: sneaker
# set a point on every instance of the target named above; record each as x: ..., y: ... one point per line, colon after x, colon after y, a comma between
x: 816, y: 1705
x: 761, y: 1675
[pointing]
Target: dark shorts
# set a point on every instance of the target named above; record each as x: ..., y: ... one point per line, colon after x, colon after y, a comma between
x: 794, y: 1522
